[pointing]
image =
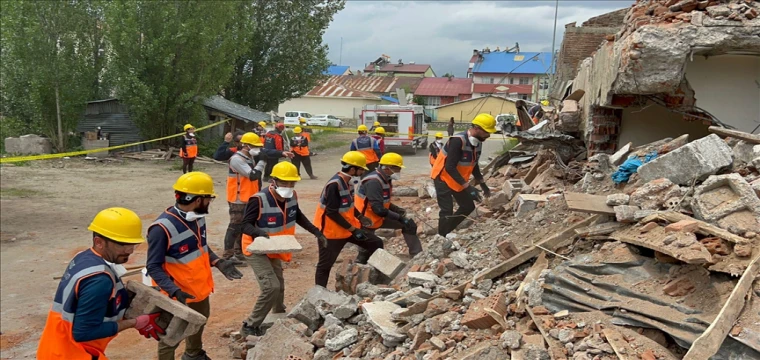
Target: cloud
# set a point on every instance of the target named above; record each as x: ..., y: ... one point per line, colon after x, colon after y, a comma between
x: 444, y: 33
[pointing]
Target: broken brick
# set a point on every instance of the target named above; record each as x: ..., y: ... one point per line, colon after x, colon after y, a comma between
x: 648, y: 355
x: 736, y: 330
x: 649, y: 227
x: 540, y: 310
x: 678, y: 287
x: 683, y: 225
x: 743, y: 250
x: 715, y: 245
x: 507, y: 249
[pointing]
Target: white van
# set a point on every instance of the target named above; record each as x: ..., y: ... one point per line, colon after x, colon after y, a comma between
x: 291, y: 117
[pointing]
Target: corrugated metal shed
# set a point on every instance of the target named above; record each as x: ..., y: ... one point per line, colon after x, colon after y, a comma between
x: 516, y: 63
x: 235, y: 110
x: 444, y: 87
x: 373, y: 84
x: 113, y: 118
x: 334, y: 90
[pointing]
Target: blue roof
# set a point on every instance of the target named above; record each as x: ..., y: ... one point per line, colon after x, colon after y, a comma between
x: 336, y: 70
x: 389, y: 98
x: 515, y: 63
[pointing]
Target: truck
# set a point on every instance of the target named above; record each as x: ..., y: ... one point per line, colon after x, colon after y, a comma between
x: 405, y: 125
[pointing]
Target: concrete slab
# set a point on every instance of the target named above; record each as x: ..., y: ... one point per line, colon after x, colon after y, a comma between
x: 386, y: 263
x: 275, y: 245
x: 421, y: 278
x: 700, y: 158
x: 28, y: 145
x: 728, y: 201
x: 281, y: 342
x: 379, y: 316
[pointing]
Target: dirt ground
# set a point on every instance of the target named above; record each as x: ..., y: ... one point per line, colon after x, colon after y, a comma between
x: 45, y: 209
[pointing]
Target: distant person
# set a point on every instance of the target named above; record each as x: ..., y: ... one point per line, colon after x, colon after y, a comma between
x: 189, y: 150
x: 367, y: 146
x: 275, y: 140
x: 261, y: 129
x: 100, y: 134
x: 225, y: 151
x: 375, y: 125
x: 301, y: 153
x: 380, y: 136
x: 435, y: 147
x: 450, y: 128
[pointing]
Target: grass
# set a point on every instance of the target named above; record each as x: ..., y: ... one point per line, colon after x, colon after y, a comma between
x: 18, y: 192
x: 177, y: 166
x: 330, y: 139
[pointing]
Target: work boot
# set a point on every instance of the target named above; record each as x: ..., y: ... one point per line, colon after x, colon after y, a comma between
x: 312, y: 177
x: 201, y: 356
x: 246, y: 330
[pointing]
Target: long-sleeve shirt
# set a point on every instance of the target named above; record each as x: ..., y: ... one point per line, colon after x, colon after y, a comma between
x: 224, y: 152
x: 380, y: 143
x: 159, y: 242
x: 454, y: 154
x: 332, y: 207
x: 375, y: 146
x: 373, y: 190
x: 92, y: 303
x: 252, y: 215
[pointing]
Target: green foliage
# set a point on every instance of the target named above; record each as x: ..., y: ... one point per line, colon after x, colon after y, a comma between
x: 282, y: 53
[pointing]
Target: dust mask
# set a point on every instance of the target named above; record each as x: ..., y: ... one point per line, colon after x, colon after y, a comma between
x: 396, y: 176
x: 254, y: 151
x: 474, y: 141
x: 439, y: 142
x: 192, y: 134
x: 284, y: 192
x: 192, y: 216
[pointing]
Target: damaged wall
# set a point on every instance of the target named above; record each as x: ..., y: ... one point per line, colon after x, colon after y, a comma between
x: 728, y: 86
x: 638, y: 123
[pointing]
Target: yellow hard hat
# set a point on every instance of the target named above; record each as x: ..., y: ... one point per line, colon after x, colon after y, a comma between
x: 297, y: 130
x: 377, y: 123
x: 188, y: 126
x: 380, y: 130
x: 361, y: 128
x: 251, y: 139
x: 392, y: 159
x: 439, y: 135
x: 302, y: 120
x: 486, y: 122
x: 545, y: 102
x: 195, y: 183
x: 118, y: 224
x: 263, y: 123
x: 355, y: 158
x: 285, y: 171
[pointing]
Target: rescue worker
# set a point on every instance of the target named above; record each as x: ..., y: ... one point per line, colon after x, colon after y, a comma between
x: 189, y: 149
x: 179, y: 258
x: 275, y: 140
x: 379, y: 137
x: 338, y: 219
x: 373, y: 200
x: 243, y: 181
x: 367, y: 146
x: 261, y: 129
x: 451, y: 172
x: 435, y: 147
x: 375, y: 125
x: 450, y: 127
x: 300, y: 145
x: 224, y: 152
x: 273, y: 211
x: 89, y: 305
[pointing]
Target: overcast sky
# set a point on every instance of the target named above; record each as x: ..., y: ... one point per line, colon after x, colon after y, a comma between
x: 444, y: 33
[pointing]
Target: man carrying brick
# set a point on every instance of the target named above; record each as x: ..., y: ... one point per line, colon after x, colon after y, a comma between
x: 273, y: 211
x: 180, y: 260
x: 89, y: 305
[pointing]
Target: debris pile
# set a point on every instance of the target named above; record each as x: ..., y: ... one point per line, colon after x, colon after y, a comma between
x: 559, y: 263
x: 684, y: 11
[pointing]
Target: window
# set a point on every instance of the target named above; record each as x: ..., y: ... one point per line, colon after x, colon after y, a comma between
x: 523, y: 96
x: 433, y: 101
x: 291, y: 114
x: 524, y: 81
x: 544, y: 85
x: 511, y: 81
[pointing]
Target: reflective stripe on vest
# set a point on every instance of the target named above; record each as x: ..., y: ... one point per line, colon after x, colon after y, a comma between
x: 465, y: 165
x: 240, y: 188
x: 363, y: 205
x: 274, y: 220
x: 329, y: 228
x: 367, y: 148
x: 57, y: 340
x: 298, y: 148
x: 187, y: 254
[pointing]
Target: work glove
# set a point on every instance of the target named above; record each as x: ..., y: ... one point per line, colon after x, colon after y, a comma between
x: 474, y: 193
x: 259, y: 233
x: 366, y: 222
x: 182, y: 296
x: 409, y: 224
x: 321, y: 239
x: 486, y: 190
x: 228, y: 269
x: 146, y: 325
x: 359, y: 235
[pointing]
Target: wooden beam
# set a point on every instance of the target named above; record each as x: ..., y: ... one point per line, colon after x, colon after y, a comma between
x: 549, y: 243
x: 618, y: 343
x: 709, y: 342
x: 741, y: 135
x: 541, y: 330
x: 704, y: 228
x: 600, y: 229
x: 595, y: 204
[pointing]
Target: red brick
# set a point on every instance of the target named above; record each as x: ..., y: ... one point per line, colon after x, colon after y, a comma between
x: 715, y: 246
x: 507, y: 249
x: 743, y: 250
x: 540, y: 310
x: 678, y: 287
x: 683, y: 225
x: 648, y: 227
x: 476, y: 318
x: 648, y: 355
x: 414, y: 268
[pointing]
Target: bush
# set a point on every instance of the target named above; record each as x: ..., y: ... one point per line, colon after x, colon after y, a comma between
x: 13, y: 127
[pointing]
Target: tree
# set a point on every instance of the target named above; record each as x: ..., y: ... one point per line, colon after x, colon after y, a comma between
x: 169, y: 55
x: 282, y: 54
x: 448, y: 75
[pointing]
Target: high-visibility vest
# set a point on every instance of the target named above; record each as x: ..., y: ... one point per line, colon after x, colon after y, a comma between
x: 363, y: 205
x: 240, y: 188
x: 57, y: 341
x: 191, y: 145
x: 187, y: 254
x: 274, y: 220
x: 366, y: 145
x: 380, y: 142
x: 301, y: 145
x: 434, y: 151
x: 465, y: 165
x: 273, y: 140
x: 327, y: 226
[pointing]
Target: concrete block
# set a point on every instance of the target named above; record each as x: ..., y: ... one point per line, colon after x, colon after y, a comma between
x: 96, y: 144
x: 700, y: 158
x: 28, y: 145
x: 744, y: 152
x: 652, y: 195
x: 177, y: 320
x: 306, y: 312
x: 527, y: 202
x: 729, y: 202
x: 422, y: 278
x: 386, y: 263
x: 625, y: 213
x: 619, y: 156
x: 618, y: 199
x: 275, y: 245
x: 496, y: 201
x: 281, y: 342
x: 512, y: 187
x: 343, y: 340
x: 379, y: 316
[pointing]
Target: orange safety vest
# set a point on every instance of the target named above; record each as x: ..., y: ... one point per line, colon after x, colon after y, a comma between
x: 327, y: 226
x: 301, y: 144
x: 366, y: 147
x: 434, y: 151
x: 187, y: 254
x: 465, y: 165
x: 191, y: 145
x: 274, y: 220
x: 240, y: 188
x: 365, y: 207
x: 57, y: 341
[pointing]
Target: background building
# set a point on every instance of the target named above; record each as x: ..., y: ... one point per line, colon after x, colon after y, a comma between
x: 521, y: 75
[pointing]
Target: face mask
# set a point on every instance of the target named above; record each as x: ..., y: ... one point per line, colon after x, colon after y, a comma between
x: 284, y: 192
x: 474, y: 141
x: 396, y: 176
x: 355, y: 180
x: 439, y: 142
x: 254, y: 152
x: 192, y: 134
x: 192, y: 216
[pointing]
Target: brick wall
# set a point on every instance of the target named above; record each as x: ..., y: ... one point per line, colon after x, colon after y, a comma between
x: 611, y: 19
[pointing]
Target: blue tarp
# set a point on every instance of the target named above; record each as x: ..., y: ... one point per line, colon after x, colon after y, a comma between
x: 389, y: 98
x: 630, y: 166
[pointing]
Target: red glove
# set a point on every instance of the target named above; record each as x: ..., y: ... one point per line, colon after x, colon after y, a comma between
x: 146, y: 325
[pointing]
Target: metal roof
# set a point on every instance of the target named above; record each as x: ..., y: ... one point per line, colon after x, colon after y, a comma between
x: 373, y: 84
x: 235, y: 110
x: 482, y: 98
x: 403, y: 68
x: 511, y: 89
x: 444, y: 86
x: 515, y: 63
x: 114, y: 120
x: 389, y: 99
x: 335, y: 90
x: 336, y: 70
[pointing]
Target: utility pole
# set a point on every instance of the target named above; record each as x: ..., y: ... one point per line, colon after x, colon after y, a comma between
x: 340, y: 58
x: 554, y: 38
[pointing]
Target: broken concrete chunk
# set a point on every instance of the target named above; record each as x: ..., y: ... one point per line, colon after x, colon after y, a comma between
x: 279, y: 340
x: 306, y: 312
x: 512, y: 187
x: 422, y: 278
x: 496, y: 201
x: 275, y: 245
x: 617, y: 199
x: 728, y: 201
x: 625, y: 213
x: 379, y: 316
x: 652, y: 195
x: 698, y: 159
x: 528, y: 202
x: 460, y: 259
x: 386, y: 263
x: 319, y: 293
x: 405, y: 191
x: 618, y: 157
x: 510, y: 339
x: 347, y: 309
x: 344, y: 339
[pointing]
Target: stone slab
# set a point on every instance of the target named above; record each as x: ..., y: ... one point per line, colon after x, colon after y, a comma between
x: 620, y: 155
x: 281, y: 342
x: 698, y: 159
x: 28, y: 145
x: 386, y: 263
x: 379, y: 316
x: 275, y: 245
x: 421, y: 278
x: 306, y: 313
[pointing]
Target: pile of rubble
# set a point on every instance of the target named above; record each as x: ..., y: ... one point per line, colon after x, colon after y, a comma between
x: 560, y: 263
x: 682, y: 11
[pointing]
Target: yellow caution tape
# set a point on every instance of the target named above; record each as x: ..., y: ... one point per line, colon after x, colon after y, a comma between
x: 85, y: 152
x: 387, y: 133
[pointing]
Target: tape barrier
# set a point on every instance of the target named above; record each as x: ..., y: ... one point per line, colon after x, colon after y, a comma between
x: 354, y: 131
x: 85, y: 152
